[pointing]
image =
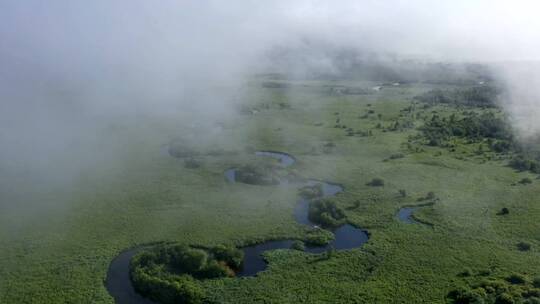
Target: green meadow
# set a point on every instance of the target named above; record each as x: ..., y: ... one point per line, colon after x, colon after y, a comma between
x: 56, y: 243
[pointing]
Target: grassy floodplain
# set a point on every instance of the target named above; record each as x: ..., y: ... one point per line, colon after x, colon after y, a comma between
x: 57, y: 249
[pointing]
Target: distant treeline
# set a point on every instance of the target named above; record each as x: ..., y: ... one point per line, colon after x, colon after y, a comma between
x: 351, y: 63
x: 488, y: 126
x: 472, y: 126
x: 478, y: 96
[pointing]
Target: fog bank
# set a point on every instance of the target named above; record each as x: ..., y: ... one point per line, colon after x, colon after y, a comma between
x: 71, y: 69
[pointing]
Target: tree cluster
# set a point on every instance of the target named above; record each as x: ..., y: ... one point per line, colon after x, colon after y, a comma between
x: 256, y: 175
x: 513, y: 289
x: 326, y: 213
x: 472, y: 126
x: 477, y: 96
x: 168, y: 273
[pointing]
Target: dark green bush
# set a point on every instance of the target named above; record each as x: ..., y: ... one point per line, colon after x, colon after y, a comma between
x: 516, y: 279
x: 397, y: 156
x: 311, y: 192
x: 532, y: 300
x: 504, y: 211
x: 188, y: 260
x: 522, y: 163
x: 319, y: 237
x: 255, y: 175
x: 525, y: 181
x: 171, y: 290
x: 467, y: 296
x: 505, y: 298
x: 430, y: 196
x: 523, y: 246
x: 376, y: 182
x: 467, y: 272
x: 298, y: 245
x: 232, y: 256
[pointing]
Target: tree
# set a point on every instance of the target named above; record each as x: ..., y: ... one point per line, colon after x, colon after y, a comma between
x: 504, y: 211
x: 189, y: 260
x: 229, y: 254
x: 330, y: 251
x: 298, y: 245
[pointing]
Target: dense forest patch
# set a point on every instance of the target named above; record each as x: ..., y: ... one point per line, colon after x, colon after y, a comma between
x: 169, y: 273
x: 478, y: 96
x: 511, y: 289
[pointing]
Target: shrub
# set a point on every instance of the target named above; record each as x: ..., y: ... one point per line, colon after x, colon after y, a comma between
x: 311, y: 192
x: 485, y: 272
x: 188, y: 260
x: 330, y: 252
x: 180, y: 150
x: 255, y: 175
x: 431, y: 195
x: 376, y: 182
x: 191, y: 163
x: 467, y: 272
x: 329, y: 144
x: 505, y: 298
x: 525, y: 181
x: 298, y: 245
x: 504, y: 211
x: 523, y: 246
x: 532, y: 300
x: 467, y: 296
x: 232, y: 256
x: 516, y: 279
x: 355, y: 205
x: 319, y: 237
x: 402, y: 193
x: 180, y: 289
x: 521, y: 163
x: 397, y: 156
x: 536, y: 282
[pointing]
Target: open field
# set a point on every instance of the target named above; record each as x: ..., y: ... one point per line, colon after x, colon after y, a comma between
x: 58, y: 247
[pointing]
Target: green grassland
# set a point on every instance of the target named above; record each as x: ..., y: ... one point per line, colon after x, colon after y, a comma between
x: 56, y: 249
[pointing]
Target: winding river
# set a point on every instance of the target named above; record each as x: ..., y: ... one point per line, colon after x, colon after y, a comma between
x: 346, y: 237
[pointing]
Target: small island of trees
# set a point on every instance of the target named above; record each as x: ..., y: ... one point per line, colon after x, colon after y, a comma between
x: 169, y: 273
